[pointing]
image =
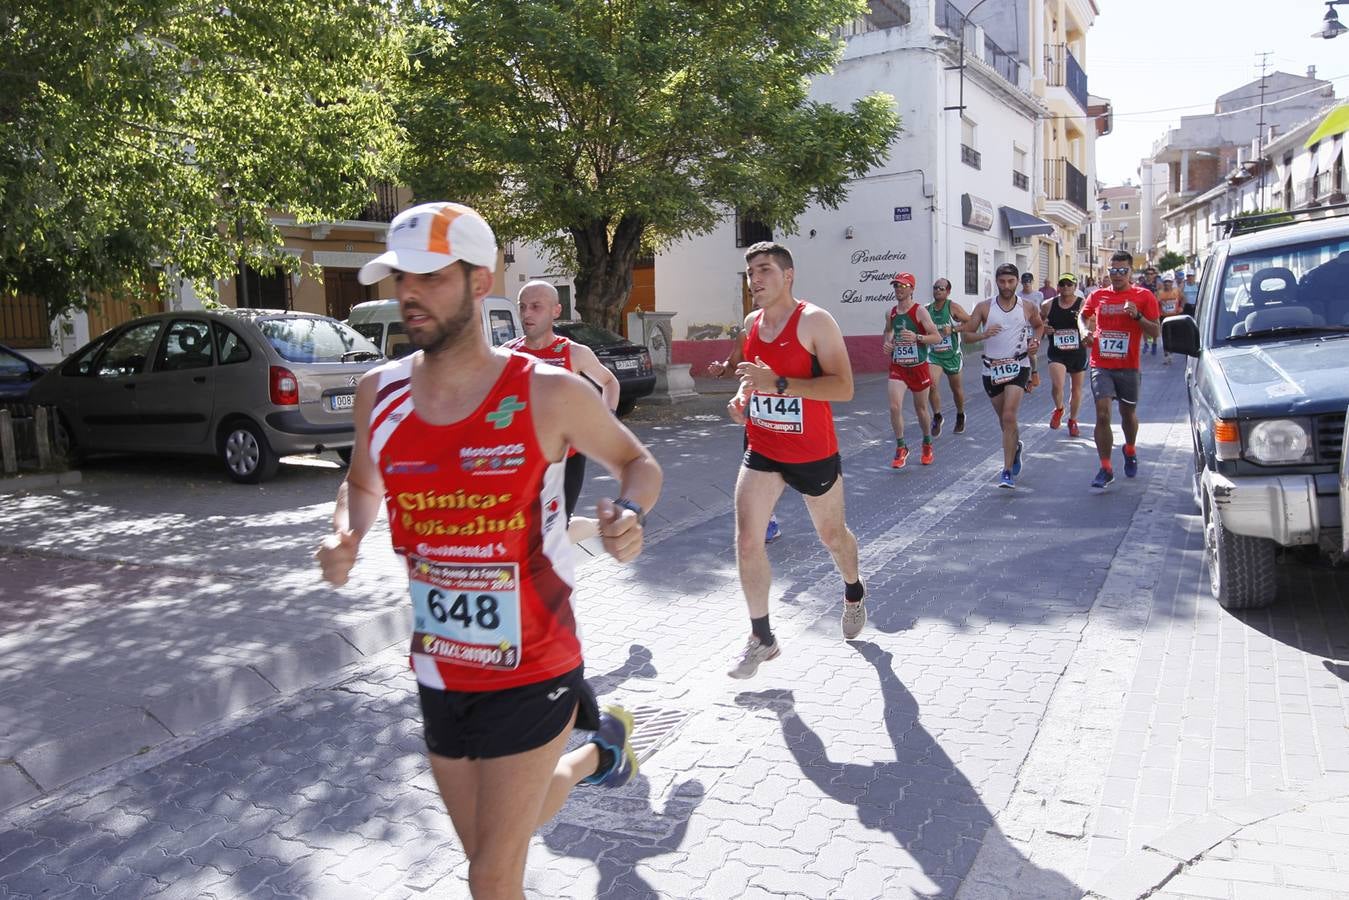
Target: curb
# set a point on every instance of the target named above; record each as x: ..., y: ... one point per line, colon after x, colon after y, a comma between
x: 171, y: 713
x: 1146, y: 871
x: 39, y: 482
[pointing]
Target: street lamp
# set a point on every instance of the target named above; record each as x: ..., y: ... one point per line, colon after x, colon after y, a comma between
x: 1331, y: 26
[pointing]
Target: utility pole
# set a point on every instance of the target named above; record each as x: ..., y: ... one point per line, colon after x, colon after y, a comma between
x: 1260, y: 136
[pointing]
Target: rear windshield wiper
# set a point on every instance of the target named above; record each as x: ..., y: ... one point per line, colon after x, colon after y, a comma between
x: 1289, y: 331
x: 359, y: 355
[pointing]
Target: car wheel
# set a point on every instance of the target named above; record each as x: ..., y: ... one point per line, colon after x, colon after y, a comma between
x: 64, y: 448
x: 248, y: 458
x: 344, y: 454
x: 625, y: 406
x: 1240, y: 568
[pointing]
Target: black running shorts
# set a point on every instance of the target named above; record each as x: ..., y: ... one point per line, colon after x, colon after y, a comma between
x: 810, y: 478
x: 489, y: 724
x: 572, y: 478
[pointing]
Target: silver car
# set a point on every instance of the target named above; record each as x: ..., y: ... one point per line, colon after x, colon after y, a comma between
x: 249, y: 386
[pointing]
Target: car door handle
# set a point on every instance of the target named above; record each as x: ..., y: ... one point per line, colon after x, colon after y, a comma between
x: 199, y: 379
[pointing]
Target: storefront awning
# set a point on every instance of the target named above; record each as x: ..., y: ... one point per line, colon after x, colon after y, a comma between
x: 1023, y: 225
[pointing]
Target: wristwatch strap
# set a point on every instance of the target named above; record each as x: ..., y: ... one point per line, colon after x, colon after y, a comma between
x: 628, y: 504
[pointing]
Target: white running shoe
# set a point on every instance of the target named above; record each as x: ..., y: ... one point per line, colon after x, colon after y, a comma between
x: 754, y: 654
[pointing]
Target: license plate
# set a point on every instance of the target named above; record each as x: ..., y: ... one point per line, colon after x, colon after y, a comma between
x: 342, y: 401
x: 625, y: 364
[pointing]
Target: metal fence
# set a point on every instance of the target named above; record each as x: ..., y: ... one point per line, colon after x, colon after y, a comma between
x: 1063, y: 70
x: 1064, y: 181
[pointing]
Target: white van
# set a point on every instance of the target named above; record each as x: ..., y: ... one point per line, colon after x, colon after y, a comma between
x: 380, y: 321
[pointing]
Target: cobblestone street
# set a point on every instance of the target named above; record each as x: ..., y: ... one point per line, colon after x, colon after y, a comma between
x: 1046, y: 701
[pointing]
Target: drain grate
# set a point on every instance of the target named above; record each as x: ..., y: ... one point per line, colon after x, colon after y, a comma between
x: 653, y: 727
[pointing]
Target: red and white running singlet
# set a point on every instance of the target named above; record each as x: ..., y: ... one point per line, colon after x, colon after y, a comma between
x: 558, y: 353
x: 784, y: 428
x: 476, y: 510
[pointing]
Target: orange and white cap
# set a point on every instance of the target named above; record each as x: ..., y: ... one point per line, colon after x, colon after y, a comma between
x: 430, y: 237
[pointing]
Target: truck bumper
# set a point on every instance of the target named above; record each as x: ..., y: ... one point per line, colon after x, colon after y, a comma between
x: 1289, y: 509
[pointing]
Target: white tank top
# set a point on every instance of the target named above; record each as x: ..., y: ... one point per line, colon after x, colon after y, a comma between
x: 1011, y: 341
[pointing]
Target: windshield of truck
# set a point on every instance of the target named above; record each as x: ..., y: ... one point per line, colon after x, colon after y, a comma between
x: 1284, y: 292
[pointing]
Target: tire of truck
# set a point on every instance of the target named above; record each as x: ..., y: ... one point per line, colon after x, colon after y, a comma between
x: 1240, y: 568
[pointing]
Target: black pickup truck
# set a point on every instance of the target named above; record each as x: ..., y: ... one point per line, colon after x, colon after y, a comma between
x: 1268, y: 384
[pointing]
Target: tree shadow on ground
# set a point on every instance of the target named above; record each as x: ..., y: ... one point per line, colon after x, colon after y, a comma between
x: 921, y: 799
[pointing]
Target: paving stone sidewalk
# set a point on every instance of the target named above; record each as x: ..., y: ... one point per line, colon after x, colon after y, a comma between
x: 877, y: 768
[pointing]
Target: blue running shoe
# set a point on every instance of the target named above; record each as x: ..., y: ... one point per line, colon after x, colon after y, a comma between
x: 1130, y: 465
x: 1005, y: 480
x: 1103, y: 478
x: 774, y: 532
x: 615, y: 736
x: 1016, y: 461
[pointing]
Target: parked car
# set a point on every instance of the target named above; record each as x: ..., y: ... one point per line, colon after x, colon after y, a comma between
x: 382, y: 323
x: 17, y: 374
x: 1268, y: 389
x: 630, y: 362
x: 246, y: 385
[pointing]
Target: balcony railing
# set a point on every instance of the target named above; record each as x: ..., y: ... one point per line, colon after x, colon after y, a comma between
x: 1063, y: 181
x: 1021, y: 180
x: 1062, y: 70
x: 970, y: 157
x: 384, y: 207
x: 950, y: 20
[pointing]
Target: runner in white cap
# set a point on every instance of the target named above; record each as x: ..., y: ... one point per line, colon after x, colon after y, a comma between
x: 465, y: 445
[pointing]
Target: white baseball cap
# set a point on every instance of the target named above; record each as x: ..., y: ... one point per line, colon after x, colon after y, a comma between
x: 430, y: 237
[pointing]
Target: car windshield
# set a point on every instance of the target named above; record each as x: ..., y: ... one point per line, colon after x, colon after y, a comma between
x: 590, y: 335
x: 310, y: 340
x: 1284, y: 291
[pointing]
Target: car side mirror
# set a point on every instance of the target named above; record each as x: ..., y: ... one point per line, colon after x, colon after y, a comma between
x: 1180, y: 334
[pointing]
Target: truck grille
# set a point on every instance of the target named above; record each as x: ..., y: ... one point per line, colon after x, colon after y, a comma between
x: 1329, y: 437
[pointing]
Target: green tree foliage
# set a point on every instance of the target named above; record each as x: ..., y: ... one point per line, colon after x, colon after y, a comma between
x: 606, y: 128
x: 1170, y: 261
x: 145, y: 136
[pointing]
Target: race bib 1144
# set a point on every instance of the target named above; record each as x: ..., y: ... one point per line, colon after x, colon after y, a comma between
x: 777, y: 413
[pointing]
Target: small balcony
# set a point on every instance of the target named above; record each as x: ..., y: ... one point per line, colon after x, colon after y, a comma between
x: 951, y: 20
x: 1021, y: 180
x: 1064, y: 182
x: 970, y: 157
x: 384, y: 207
x: 1062, y: 70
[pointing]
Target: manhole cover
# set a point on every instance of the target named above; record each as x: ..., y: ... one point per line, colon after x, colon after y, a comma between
x: 653, y: 727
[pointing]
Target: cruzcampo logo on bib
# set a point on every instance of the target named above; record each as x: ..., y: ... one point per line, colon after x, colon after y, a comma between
x: 504, y: 414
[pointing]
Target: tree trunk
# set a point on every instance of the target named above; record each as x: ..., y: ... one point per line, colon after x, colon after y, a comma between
x: 604, y: 269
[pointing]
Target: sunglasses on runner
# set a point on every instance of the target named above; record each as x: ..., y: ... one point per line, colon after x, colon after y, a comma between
x: 1119, y: 270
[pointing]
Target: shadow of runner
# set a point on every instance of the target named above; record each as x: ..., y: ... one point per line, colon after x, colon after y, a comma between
x: 922, y: 799
x: 616, y: 854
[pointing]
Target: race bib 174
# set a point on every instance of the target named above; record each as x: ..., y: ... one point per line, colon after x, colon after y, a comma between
x: 1113, y: 344
x: 466, y: 614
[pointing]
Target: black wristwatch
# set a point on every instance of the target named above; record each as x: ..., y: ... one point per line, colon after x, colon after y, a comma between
x: 637, y: 510
x: 781, y: 384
